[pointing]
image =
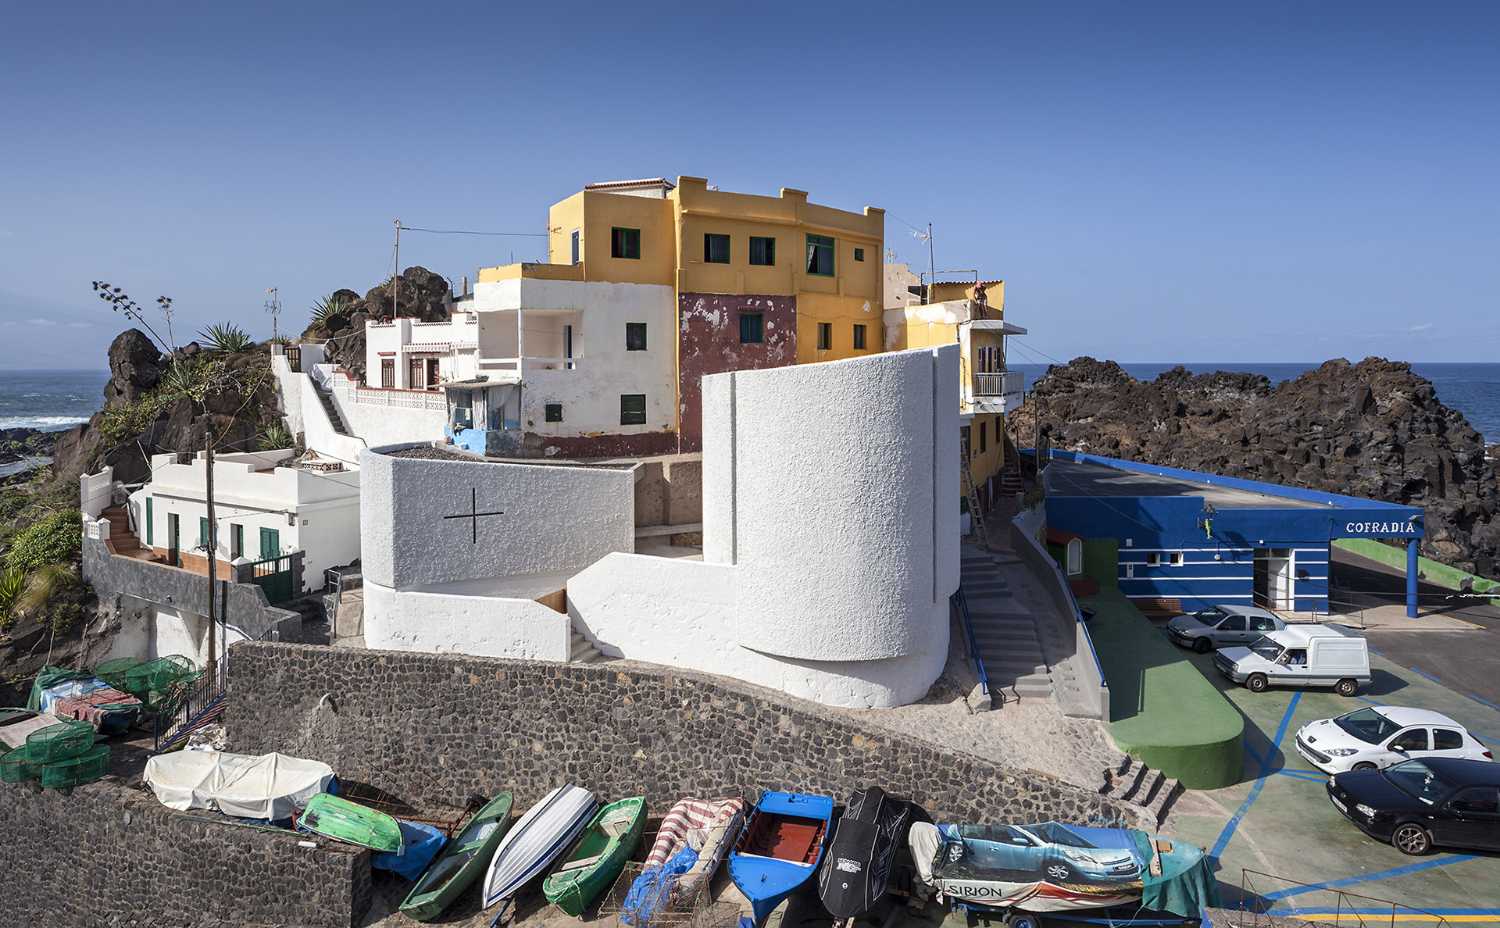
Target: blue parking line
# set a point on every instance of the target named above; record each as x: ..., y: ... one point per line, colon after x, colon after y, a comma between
x: 1254, y: 755
x: 1370, y: 877
x: 1308, y: 775
x: 1260, y: 781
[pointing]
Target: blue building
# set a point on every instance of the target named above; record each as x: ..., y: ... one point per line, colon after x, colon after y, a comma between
x: 1197, y: 538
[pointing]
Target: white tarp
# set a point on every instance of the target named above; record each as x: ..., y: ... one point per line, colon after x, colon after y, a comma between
x: 265, y: 787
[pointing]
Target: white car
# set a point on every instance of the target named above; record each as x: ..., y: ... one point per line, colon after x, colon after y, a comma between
x: 1378, y: 736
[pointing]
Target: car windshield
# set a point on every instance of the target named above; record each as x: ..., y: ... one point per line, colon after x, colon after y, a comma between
x: 1209, y: 616
x: 1266, y: 647
x: 1057, y: 834
x: 1420, y: 780
x: 1367, y: 725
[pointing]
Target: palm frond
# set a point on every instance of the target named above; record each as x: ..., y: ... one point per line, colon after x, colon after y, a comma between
x: 329, y: 306
x: 226, y: 336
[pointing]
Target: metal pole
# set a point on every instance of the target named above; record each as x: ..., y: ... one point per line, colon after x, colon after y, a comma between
x: 931, y: 264
x: 396, y: 272
x: 213, y: 652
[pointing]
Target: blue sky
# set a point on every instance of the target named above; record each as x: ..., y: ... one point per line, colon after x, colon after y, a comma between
x: 1155, y: 182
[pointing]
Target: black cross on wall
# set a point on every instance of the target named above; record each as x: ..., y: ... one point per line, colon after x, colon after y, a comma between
x: 473, y: 515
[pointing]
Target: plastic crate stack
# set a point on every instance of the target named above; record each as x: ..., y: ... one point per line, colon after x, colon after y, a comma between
x: 60, y: 756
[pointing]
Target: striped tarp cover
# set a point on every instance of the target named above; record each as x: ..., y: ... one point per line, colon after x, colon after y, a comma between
x: 687, y: 815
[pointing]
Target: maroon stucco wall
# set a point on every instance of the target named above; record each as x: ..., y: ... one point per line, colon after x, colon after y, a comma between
x: 709, y: 343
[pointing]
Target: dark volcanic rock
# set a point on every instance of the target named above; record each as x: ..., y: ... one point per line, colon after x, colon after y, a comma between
x: 1372, y: 429
x: 421, y: 294
x: 134, y: 367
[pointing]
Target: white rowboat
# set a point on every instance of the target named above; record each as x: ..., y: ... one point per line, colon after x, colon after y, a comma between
x: 534, y: 842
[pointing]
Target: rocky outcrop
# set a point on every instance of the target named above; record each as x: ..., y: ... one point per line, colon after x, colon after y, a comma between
x: 1373, y: 429
x: 19, y: 444
x: 421, y: 294
x: 236, y: 417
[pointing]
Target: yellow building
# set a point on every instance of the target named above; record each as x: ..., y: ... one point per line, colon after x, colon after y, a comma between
x: 758, y: 281
x: 970, y: 314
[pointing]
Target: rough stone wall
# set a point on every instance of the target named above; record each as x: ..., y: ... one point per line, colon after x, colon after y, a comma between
x: 107, y: 855
x: 435, y: 729
x: 709, y: 343
x: 670, y: 492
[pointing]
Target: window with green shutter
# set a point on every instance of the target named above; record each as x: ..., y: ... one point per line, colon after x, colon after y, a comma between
x: 820, y: 255
x: 625, y: 243
x: 150, y: 526
x: 752, y: 328
x: 632, y: 409
x: 203, y: 531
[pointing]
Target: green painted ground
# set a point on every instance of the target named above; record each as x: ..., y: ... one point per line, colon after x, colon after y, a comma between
x: 1432, y: 571
x: 1288, y: 828
x: 1161, y: 708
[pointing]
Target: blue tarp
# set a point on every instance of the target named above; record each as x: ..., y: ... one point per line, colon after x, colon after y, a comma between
x: 419, y: 845
x: 652, y: 890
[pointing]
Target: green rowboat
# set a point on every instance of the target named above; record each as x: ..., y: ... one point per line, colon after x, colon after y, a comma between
x: 461, y: 862
x: 595, y: 861
x: 342, y: 820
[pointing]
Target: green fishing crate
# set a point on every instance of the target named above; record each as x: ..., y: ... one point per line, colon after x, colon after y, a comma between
x: 59, y: 742
x: 17, y: 766
x: 77, y: 771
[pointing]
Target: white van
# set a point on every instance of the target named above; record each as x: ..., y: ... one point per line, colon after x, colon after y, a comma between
x: 1299, y: 655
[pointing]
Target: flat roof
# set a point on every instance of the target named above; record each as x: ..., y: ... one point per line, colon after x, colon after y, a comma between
x: 1073, y: 478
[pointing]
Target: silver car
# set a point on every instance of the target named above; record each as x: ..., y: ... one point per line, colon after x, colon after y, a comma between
x: 1221, y: 626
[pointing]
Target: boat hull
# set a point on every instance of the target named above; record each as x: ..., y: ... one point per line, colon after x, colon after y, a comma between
x: 342, y: 820
x: 461, y: 862
x: 779, y: 849
x: 857, y: 867
x: 536, y: 840
x: 597, y: 858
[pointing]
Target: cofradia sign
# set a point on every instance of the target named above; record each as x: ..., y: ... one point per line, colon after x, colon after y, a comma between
x: 1406, y: 527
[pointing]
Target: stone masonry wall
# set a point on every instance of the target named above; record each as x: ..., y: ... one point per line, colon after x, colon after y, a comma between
x: 436, y: 729
x: 109, y: 855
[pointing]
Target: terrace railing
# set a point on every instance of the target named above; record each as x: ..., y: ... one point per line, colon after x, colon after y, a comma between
x: 1268, y: 901
x: 960, y: 604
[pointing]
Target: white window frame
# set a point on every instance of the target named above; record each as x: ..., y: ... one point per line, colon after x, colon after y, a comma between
x: 1177, y: 559
x: 1073, y: 556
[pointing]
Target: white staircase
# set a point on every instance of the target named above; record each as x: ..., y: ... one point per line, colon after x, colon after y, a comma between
x: 582, y: 651
x: 1013, y: 655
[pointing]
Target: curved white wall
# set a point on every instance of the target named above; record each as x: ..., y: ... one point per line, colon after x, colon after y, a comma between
x: 485, y: 626
x: 830, y: 536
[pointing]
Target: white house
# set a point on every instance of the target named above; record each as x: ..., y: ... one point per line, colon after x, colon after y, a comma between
x: 267, y: 504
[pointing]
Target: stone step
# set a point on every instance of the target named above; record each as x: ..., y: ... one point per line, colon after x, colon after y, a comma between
x: 1014, y: 668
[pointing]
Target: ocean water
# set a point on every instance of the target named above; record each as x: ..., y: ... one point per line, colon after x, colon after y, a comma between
x: 1472, y: 389
x: 49, y: 400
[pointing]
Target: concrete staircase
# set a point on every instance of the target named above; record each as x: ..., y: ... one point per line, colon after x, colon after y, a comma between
x: 1008, y: 638
x: 330, y: 407
x: 121, y: 539
x: 582, y: 651
x: 1134, y: 782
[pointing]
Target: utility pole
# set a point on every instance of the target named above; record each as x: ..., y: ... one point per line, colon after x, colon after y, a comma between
x: 273, y: 306
x: 396, y: 271
x: 931, y: 264
x: 213, y: 544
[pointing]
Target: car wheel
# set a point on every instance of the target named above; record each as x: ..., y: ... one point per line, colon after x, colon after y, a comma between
x: 1023, y: 921
x: 1257, y: 683
x: 1364, y: 765
x: 1412, y: 839
x: 1346, y: 687
x: 1202, y: 645
x: 1058, y: 873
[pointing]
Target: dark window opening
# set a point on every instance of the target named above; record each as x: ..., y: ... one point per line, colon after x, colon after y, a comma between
x: 577, y: 246
x: 624, y: 243
x: 825, y: 336
x: 632, y: 409
x: 820, y: 255
x: 752, y: 328
x: 554, y: 412
x: 984, y: 435
x: 762, y: 250
x: 859, y: 337
x: 236, y: 540
x: 635, y: 336
x: 715, y: 248
x: 859, y: 254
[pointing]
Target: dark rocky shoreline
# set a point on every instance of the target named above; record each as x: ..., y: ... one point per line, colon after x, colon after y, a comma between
x: 1374, y: 429
x: 19, y: 444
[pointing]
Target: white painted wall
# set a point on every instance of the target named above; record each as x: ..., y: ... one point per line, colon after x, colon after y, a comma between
x: 158, y: 631
x: 390, y: 417
x: 603, y: 369
x: 556, y: 518
x: 487, y: 626
x: 830, y: 536
x: 318, y: 433
x: 315, y: 512
x: 289, y: 386
x: 95, y: 491
x: 455, y: 341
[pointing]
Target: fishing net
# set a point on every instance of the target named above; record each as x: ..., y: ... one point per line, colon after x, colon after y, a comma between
x: 17, y: 766
x: 152, y: 680
x: 113, y: 671
x: 60, y: 742
x: 76, y: 771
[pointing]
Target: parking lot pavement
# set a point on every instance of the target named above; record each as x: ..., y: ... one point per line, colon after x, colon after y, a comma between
x: 1279, y: 821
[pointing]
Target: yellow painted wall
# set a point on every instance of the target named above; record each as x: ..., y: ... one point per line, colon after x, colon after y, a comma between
x: 658, y: 261
x: 985, y: 464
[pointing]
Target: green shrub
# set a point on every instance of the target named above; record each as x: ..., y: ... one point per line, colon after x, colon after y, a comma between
x: 329, y: 306
x: 274, y: 437
x: 56, y: 539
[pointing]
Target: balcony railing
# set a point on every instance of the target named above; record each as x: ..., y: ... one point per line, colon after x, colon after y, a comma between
x: 999, y: 383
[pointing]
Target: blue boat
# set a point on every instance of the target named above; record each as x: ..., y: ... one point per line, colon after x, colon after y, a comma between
x: 779, y: 849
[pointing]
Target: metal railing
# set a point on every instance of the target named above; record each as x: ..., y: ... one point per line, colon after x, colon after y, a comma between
x: 999, y: 383
x: 1334, y: 906
x: 190, y: 707
x: 960, y: 602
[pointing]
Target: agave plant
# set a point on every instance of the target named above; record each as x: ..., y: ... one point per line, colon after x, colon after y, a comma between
x: 226, y: 336
x: 329, y: 306
x: 274, y: 437
x: 44, y: 584
x: 12, y: 585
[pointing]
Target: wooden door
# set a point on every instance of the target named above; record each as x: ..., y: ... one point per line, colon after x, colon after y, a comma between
x: 388, y: 373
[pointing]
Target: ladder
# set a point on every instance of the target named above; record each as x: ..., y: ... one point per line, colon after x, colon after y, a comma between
x: 966, y: 482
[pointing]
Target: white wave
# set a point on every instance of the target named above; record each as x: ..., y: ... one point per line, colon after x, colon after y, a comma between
x: 44, y: 423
